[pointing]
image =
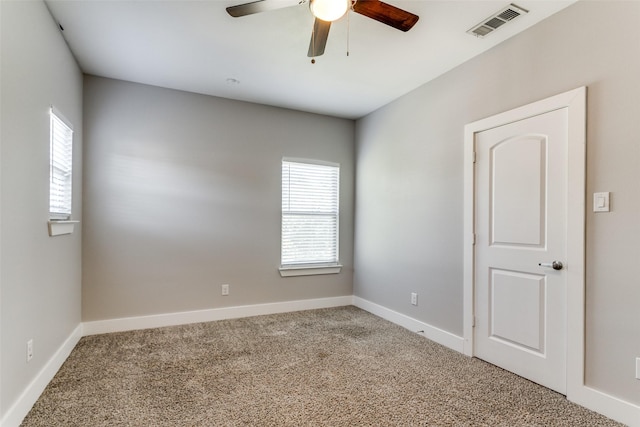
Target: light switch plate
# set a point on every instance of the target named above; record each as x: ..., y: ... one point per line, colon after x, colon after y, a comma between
x: 601, y: 202
x: 638, y: 368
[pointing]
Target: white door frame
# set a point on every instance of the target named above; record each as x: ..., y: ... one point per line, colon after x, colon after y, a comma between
x: 575, y: 102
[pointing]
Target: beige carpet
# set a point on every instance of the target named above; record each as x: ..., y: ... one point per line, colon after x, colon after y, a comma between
x: 331, y: 367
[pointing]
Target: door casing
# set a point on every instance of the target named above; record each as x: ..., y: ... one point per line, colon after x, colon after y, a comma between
x: 575, y: 102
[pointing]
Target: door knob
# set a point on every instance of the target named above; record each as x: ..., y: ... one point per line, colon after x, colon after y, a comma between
x: 556, y: 265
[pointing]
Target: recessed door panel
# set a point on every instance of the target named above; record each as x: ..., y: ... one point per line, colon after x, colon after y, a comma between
x: 518, y: 184
x: 517, y: 314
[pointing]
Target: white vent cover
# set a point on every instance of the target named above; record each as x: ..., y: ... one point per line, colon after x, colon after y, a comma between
x: 497, y: 20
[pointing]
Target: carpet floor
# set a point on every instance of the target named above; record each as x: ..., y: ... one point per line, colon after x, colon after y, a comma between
x: 329, y: 367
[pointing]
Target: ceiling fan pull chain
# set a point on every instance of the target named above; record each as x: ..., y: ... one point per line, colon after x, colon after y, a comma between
x: 313, y: 42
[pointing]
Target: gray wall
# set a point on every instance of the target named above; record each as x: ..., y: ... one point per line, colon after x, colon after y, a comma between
x: 39, y: 275
x: 410, y: 165
x: 183, y: 194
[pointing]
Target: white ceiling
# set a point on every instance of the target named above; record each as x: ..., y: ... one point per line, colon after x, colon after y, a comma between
x: 196, y: 46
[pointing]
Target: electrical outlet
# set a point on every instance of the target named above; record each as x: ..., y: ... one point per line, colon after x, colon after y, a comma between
x: 638, y: 368
x: 225, y: 290
x: 414, y: 298
x: 29, y: 350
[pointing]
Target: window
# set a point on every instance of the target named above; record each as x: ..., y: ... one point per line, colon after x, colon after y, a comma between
x: 60, y: 165
x: 310, y: 195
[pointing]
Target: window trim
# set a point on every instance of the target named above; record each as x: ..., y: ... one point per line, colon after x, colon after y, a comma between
x: 58, y: 227
x: 309, y: 269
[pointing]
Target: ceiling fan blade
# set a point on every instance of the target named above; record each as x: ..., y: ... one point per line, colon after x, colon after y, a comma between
x: 319, y: 37
x: 261, y: 6
x: 387, y: 14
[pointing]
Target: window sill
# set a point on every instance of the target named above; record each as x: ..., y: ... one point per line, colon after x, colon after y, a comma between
x: 58, y: 228
x: 309, y: 270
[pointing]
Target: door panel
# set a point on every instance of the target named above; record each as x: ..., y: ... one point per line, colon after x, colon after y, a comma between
x: 517, y: 314
x: 518, y: 177
x: 520, y: 193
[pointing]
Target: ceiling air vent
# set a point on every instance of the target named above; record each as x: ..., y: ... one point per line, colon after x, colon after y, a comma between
x: 497, y: 20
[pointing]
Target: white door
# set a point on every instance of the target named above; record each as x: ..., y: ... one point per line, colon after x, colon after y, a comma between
x: 520, y: 226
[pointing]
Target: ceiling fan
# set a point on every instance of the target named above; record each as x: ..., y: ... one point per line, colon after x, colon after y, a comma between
x: 327, y: 11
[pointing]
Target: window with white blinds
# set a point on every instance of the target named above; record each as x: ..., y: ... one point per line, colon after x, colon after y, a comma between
x: 60, y: 171
x: 310, y: 210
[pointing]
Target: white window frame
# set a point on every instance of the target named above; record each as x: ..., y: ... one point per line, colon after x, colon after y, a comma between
x: 60, y: 174
x: 304, y: 267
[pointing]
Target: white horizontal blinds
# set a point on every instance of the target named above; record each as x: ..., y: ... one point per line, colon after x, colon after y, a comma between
x: 309, y: 213
x: 61, y: 156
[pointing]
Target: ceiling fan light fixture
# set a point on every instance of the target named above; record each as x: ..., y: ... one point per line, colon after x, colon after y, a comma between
x: 329, y: 10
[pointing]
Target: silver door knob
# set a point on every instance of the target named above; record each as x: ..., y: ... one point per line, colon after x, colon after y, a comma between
x: 556, y: 265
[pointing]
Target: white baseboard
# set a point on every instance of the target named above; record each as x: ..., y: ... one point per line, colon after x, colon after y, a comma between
x: 607, y: 405
x: 440, y: 336
x: 209, y: 315
x: 28, y: 398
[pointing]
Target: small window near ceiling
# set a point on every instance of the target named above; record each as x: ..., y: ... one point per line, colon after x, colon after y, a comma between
x: 310, y: 214
x: 60, y: 167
